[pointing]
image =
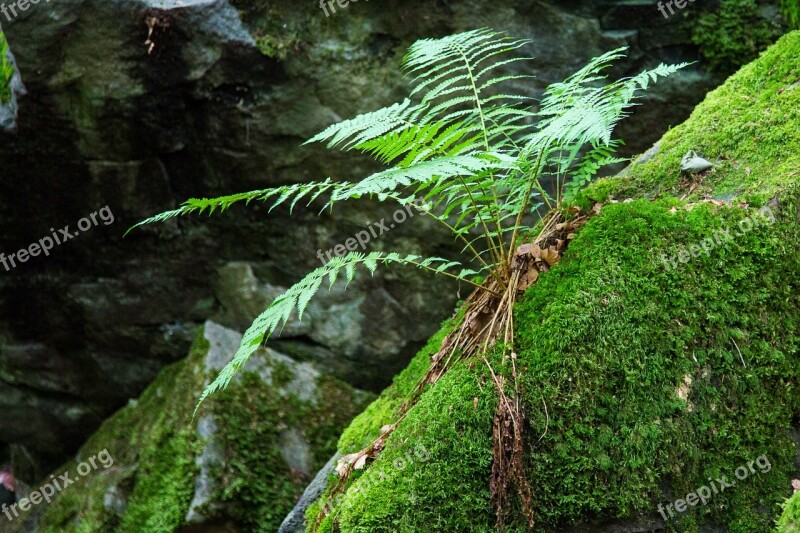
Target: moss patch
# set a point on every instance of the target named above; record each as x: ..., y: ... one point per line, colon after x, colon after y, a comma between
x: 258, y: 488
x: 733, y: 34
x: 749, y: 127
x: 6, y: 71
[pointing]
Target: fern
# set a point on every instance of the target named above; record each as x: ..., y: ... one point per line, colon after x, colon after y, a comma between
x: 298, y: 296
x: 477, y: 155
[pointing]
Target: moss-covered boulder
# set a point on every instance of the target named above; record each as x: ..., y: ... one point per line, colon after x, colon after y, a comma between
x: 790, y: 519
x: 242, y: 462
x: 660, y: 359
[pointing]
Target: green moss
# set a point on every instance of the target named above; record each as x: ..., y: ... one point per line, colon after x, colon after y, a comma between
x: 642, y: 381
x: 791, y: 11
x: 6, y: 71
x: 154, y: 432
x: 733, y: 35
x: 154, y: 445
x: 612, y: 333
x: 749, y: 127
x: 258, y: 487
x: 790, y: 520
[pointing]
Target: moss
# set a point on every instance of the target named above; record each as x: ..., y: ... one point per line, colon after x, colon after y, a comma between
x: 791, y: 11
x: 747, y: 127
x: 733, y: 35
x: 154, y: 446
x: 790, y: 520
x: 258, y: 488
x: 154, y: 432
x: 6, y: 71
x: 642, y: 381
x: 612, y: 333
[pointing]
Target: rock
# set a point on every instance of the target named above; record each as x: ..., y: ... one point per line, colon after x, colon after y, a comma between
x: 644, y: 378
x: 242, y: 461
x: 219, y: 101
x: 694, y: 164
x: 295, y: 521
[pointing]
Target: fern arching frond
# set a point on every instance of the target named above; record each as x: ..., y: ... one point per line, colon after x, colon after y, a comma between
x: 296, y: 299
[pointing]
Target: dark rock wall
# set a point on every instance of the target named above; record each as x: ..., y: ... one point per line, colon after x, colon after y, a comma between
x: 139, y: 104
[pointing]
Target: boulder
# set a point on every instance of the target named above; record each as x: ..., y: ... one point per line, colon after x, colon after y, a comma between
x: 242, y: 460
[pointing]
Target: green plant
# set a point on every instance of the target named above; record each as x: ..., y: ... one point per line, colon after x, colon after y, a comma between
x: 791, y: 11
x: 484, y: 161
x: 789, y: 521
x: 735, y: 33
x: 6, y: 71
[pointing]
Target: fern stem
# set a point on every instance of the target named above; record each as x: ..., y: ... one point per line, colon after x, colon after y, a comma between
x: 524, y: 206
x: 485, y: 131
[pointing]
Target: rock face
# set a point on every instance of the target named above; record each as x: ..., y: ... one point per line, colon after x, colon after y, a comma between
x: 139, y: 104
x: 659, y: 359
x: 242, y: 462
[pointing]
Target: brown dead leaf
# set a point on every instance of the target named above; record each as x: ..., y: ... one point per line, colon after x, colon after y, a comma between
x: 571, y: 236
x: 597, y: 207
x: 475, y: 403
x: 551, y: 256
x: 529, y: 249
x: 560, y: 244
x: 528, y: 278
x: 564, y: 226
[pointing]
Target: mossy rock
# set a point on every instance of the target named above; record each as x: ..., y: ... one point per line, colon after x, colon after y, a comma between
x: 242, y: 462
x: 790, y: 520
x: 645, y: 378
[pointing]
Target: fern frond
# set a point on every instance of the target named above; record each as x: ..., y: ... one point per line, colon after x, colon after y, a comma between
x: 298, y: 296
x: 223, y: 203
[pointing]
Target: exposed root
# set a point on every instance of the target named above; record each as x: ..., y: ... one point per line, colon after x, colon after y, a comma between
x: 508, y: 452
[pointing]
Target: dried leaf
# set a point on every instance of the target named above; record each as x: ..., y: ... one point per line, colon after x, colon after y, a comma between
x: 551, y: 256
x: 597, y: 207
x: 529, y: 249
x: 528, y: 278
x: 564, y: 226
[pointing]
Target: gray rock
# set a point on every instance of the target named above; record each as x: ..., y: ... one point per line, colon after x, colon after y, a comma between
x: 694, y: 164
x: 295, y: 521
